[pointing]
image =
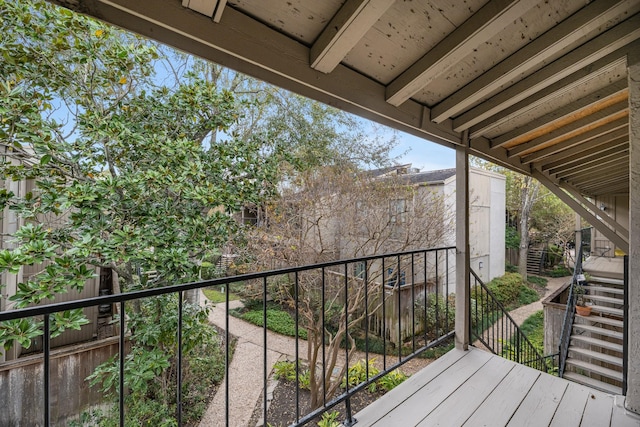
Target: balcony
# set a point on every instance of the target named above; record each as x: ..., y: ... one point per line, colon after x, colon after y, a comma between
x: 503, y: 381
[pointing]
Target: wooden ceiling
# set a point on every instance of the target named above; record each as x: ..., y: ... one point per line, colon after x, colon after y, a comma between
x: 538, y: 86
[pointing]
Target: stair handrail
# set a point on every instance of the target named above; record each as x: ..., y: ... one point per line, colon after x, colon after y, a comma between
x: 525, y: 352
x: 569, y: 314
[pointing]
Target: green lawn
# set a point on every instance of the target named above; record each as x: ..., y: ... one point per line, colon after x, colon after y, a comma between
x: 216, y: 296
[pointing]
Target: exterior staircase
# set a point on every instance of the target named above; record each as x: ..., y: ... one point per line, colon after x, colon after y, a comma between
x: 534, y: 261
x: 596, y: 346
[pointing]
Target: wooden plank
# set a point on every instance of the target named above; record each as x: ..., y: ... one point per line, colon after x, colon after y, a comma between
x: 472, y: 393
x: 538, y: 408
x: 425, y: 399
x: 482, y: 26
x: 598, y: 411
x: 571, y: 407
x: 386, y: 403
x: 345, y: 30
x: 507, y: 396
x: 620, y: 417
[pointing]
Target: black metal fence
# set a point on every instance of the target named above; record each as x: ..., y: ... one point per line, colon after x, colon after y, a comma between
x: 496, y: 330
x: 396, y: 304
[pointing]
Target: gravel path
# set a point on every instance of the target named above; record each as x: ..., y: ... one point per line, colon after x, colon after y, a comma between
x: 245, y: 370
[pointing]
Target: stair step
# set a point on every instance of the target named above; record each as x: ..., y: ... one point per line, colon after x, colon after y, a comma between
x: 600, y: 370
x: 607, y: 358
x: 606, y: 280
x: 598, y: 330
x: 590, y: 382
x: 607, y: 310
x: 600, y: 319
x: 608, y: 300
x: 597, y: 342
x: 604, y: 289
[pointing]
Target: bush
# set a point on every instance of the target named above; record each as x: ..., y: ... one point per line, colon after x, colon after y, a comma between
x: 540, y: 281
x: 560, y: 271
x: 527, y: 295
x: 278, y: 321
x: 510, y: 268
x: 392, y: 380
x: 506, y: 289
x: 358, y: 374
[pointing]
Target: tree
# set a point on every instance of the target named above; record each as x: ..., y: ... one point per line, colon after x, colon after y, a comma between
x: 337, y: 213
x: 126, y: 177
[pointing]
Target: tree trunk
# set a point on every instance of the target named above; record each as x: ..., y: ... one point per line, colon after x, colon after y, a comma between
x: 529, y: 192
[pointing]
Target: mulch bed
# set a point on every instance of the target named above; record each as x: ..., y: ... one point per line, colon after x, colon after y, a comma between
x: 282, y: 410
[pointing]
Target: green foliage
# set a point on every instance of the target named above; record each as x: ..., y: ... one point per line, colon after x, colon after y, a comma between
x: 285, y: 369
x: 278, y: 321
x: 560, y: 271
x: 217, y: 296
x: 149, y: 380
x: 329, y: 419
x: 510, y: 268
x: 358, y: 374
x: 511, y: 238
x: 392, y: 380
x: 527, y: 295
x: 533, y: 328
x: 536, y: 280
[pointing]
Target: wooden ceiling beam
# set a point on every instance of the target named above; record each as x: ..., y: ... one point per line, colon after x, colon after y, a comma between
x: 550, y: 93
x: 210, y: 8
x: 621, y: 241
x: 585, y: 106
x: 593, y: 173
x: 592, y: 138
x: 588, y: 157
x: 480, y: 27
x: 578, y: 127
x: 613, y: 39
x: 581, y: 153
x: 242, y: 43
x: 528, y: 57
x: 344, y: 31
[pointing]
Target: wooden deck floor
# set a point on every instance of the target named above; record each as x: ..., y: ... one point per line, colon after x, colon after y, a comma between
x: 476, y: 388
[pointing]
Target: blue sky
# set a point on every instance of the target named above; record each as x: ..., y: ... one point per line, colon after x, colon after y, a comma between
x: 422, y: 154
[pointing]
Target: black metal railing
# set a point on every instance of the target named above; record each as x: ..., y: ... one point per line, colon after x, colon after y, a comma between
x: 401, y: 300
x: 569, y: 314
x: 496, y: 330
x: 625, y: 326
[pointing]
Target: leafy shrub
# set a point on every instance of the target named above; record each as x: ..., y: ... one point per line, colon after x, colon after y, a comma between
x: 506, y: 288
x: 527, y: 295
x: 358, y: 374
x: 510, y: 268
x: 536, y: 280
x: 329, y: 419
x: 392, y: 380
x: 284, y: 369
x: 560, y: 271
x: 278, y: 321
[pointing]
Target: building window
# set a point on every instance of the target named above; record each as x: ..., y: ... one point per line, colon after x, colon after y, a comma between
x: 358, y: 269
x: 397, y: 210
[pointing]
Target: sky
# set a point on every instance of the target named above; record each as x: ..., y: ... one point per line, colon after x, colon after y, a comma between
x: 422, y: 154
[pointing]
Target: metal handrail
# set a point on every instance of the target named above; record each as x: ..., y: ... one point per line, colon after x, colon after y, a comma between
x: 416, y: 263
x: 502, y: 335
x: 569, y: 315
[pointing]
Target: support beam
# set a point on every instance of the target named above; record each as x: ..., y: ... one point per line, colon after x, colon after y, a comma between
x: 241, y: 43
x: 211, y: 8
x: 593, y: 155
x: 463, y: 268
x: 632, y: 401
x: 585, y: 106
x: 606, y: 43
x: 582, y: 211
x: 492, y: 18
x: 611, y: 222
x: 598, y: 135
x: 577, y: 146
x: 578, y: 127
x: 527, y: 58
x: 344, y: 31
